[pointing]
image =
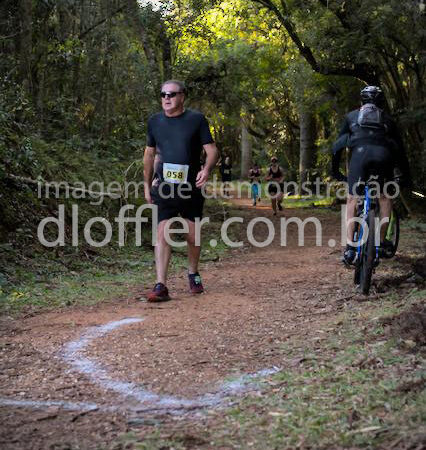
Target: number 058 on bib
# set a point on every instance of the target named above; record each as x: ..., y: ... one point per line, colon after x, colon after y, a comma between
x: 175, y: 173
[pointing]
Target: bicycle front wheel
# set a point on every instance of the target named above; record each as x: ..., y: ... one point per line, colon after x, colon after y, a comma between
x: 368, y: 255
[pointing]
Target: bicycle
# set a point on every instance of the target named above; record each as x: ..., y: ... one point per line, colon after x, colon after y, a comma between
x: 368, y: 250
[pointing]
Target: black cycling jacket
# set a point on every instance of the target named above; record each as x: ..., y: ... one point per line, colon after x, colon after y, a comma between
x: 352, y: 135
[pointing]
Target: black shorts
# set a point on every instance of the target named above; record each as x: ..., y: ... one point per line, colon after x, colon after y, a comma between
x: 170, y: 204
x: 275, y: 188
x: 369, y: 161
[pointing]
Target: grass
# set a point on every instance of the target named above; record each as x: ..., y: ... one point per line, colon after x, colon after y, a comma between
x: 343, y: 393
x: 243, y: 190
x: 354, y: 385
x: 65, y: 280
x: 298, y: 201
x: 34, y: 279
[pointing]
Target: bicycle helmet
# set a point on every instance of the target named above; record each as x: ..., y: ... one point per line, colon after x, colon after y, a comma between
x: 372, y: 94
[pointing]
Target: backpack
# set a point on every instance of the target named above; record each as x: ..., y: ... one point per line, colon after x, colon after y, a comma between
x: 370, y: 116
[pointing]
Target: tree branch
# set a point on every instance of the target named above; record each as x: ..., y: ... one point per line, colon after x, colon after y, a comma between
x: 255, y: 133
x: 362, y: 71
x: 282, y: 16
x: 339, y: 13
x: 10, y: 36
x: 101, y: 21
x: 61, y: 186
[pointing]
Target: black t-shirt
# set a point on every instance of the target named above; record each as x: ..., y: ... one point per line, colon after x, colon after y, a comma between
x: 226, y: 169
x: 178, y: 140
x: 275, y: 175
x: 254, y: 174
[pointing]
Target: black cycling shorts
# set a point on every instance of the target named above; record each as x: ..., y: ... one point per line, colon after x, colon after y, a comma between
x: 170, y: 204
x: 369, y: 161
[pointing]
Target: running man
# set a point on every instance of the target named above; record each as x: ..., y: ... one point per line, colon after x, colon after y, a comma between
x: 276, y: 184
x: 175, y: 140
x: 254, y: 176
x: 377, y: 150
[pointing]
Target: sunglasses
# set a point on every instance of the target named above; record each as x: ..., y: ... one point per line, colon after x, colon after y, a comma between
x: 170, y: 94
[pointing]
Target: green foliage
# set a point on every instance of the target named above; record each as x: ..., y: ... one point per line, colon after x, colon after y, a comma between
x: 378, y: 42
x: 78, y: 87
x: 51, y: 278
x: 75, y: 97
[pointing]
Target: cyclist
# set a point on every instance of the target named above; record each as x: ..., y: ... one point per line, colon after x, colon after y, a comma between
x: 276, y: 184
x: 175, y: 139
x: 377, y: 150
x: 254, y: 176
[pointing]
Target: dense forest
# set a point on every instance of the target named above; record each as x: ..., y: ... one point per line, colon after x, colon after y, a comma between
x: 79, y: 78
x: 282, y: 349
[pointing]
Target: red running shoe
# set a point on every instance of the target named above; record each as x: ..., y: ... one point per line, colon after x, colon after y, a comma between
x: 195, y: 285
x: 160, y: 293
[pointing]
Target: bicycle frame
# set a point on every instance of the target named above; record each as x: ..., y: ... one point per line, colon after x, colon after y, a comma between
x: 367, y: 253
x: 368, y: 203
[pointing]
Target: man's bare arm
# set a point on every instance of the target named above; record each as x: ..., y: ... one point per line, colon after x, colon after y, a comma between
x: 212, y: 156
x: 148, y: 171
x: 282, y: 176
x: 211, y: 160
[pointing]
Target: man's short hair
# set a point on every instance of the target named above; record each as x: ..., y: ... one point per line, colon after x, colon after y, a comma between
x: 179, y: 83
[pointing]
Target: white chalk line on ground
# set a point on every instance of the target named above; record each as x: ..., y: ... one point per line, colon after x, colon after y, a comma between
x: 42, y: 404
x: 73, y: 354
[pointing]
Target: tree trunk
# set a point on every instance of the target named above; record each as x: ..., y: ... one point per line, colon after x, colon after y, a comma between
x: 166, y: 53
x: 25, y: 43
x: 307, y: 144
x: 134, y: 18
x: 106, y: 110
x: 246, y: 151
x: 65, y: 20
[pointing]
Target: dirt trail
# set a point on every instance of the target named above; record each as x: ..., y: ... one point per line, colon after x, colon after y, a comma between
x: 255, y: 300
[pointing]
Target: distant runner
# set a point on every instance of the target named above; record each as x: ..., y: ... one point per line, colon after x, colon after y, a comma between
x: 175, y: 140
x: 254, y: 176
x: 276, y: 184
x: 226, y: 173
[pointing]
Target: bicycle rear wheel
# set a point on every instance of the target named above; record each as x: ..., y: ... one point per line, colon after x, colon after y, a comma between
x: 368, y: 255
x: 392, y: 233
x: 357, y: 272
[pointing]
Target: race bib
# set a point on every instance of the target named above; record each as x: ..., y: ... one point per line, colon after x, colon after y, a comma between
x: 175, y: 173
